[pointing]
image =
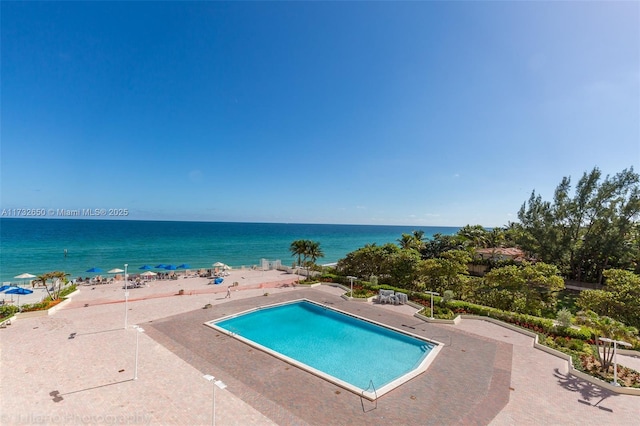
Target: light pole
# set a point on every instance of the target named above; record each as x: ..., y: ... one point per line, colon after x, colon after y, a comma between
x: 126, y: 296
x: 615, y: 358
x: 138, y: 331
x: 216, y: 383
x: 432, y: 293
x: 351, y: 278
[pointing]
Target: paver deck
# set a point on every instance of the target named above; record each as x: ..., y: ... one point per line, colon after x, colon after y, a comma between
x: 77, y: 366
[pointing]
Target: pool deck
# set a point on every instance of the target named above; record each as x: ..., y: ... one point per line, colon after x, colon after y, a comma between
x: 77, y: 366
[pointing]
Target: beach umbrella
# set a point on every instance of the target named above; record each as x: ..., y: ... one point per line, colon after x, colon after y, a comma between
x: 146, y: 267
x: 25, y: 276
x: 8, y: 288
x: 116, y: 271
x: 218, y: 264
x: 161, y: 266
x: 184, y: 266
x: 94, y: 270
x: 170, y: 267
x: 18, y: 291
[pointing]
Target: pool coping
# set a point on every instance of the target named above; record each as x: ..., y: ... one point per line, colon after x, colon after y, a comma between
x: 422, y: 367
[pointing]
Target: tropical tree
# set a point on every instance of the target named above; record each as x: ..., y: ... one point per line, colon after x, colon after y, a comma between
x: 439, y: 244
x: 530, y: 287
x: 620, y: 298
x: 447, y: 272
x: 413, y: 241
x: 401, y: 267
x: 306, y: 249
x: 313, y: 251
x: 474, y: 236
x: 589, y: 231
x: 368, y: 260
x: 59, y: 279
x: 298, y: 248
x: 607, y: 327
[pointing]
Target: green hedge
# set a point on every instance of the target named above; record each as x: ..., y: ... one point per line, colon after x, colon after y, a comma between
x: 7, y: 311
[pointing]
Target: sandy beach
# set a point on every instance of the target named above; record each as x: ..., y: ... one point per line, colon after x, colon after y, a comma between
x: 77, y: 366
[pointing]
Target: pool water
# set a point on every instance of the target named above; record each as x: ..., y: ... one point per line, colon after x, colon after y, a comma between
x: 336, y: 345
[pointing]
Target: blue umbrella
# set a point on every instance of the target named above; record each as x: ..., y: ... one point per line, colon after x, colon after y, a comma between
x: 19, y: 290
x: 6, y: 287
x: 146, y: 267
x: 94, y: 270
x: 161, y: 266
x: 170, y: 267
x: 184, y: 266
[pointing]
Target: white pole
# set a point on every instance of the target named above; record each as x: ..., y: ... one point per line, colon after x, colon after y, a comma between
x: 126, y: 297
x: 126, y: 310
x: 138, y: 331
x: 615, y: 363
x: 351, y: 278
x: 431, y: 305
x: 213, y: 411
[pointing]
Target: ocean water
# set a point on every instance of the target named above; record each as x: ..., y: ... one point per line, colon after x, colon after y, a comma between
x: 37, y: 246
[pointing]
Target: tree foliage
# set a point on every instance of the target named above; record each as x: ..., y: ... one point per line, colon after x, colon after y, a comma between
x: 528, y: 288
x: 608, y: 327
x: 589, y: 231
x: 368, y: 260
x: 58, y: 279
x: 306, y: 249
x: 620, y: 300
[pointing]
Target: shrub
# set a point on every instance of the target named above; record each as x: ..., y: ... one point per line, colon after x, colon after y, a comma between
x: 7, y: 311
x: 564, y: 317
x: 447, y: 296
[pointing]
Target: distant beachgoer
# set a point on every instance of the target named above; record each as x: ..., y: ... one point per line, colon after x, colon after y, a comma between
x: 228, y: 293
x: 65, y: 252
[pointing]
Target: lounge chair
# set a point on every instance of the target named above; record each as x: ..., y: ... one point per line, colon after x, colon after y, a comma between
x: 401, y: 298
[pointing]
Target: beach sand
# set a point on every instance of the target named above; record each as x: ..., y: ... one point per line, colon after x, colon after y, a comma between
x: 76, y: 366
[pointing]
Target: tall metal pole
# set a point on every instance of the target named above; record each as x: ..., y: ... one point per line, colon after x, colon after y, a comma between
x: 351, y: 278
x: 126, y: 297
x: 431, y: 305
x: 615, y: 363
x: 138, y: 331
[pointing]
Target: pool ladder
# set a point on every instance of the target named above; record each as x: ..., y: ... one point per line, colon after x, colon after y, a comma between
x: 362, y: 398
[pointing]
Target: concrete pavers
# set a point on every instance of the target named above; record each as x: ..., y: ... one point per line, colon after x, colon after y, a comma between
x: 51, y: 376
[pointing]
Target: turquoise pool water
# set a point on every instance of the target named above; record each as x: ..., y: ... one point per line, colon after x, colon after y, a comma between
x: 342, y: 346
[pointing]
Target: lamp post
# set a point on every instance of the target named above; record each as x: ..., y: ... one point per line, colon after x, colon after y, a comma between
x: 216, y: 383
x: 432, y: 293
x: 615, y: 358
x: 138, y: 331
x: 351, y: 278
x: 126, y: 296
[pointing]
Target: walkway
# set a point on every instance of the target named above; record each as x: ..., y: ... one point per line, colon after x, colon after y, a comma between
x: 77, y: 366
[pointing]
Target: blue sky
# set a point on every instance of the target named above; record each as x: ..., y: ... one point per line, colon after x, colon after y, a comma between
x: 416, y: 113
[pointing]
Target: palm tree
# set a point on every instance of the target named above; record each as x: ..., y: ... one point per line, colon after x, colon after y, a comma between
x: 298, y: 248
x: 606, y: 327
x: 412, y: 241
x: 58, y: 278
x: 313, y: 251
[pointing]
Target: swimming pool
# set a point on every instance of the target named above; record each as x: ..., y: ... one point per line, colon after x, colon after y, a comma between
x: 352, y: 352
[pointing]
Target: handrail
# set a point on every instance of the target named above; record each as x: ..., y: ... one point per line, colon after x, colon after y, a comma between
x: 371, y: 385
